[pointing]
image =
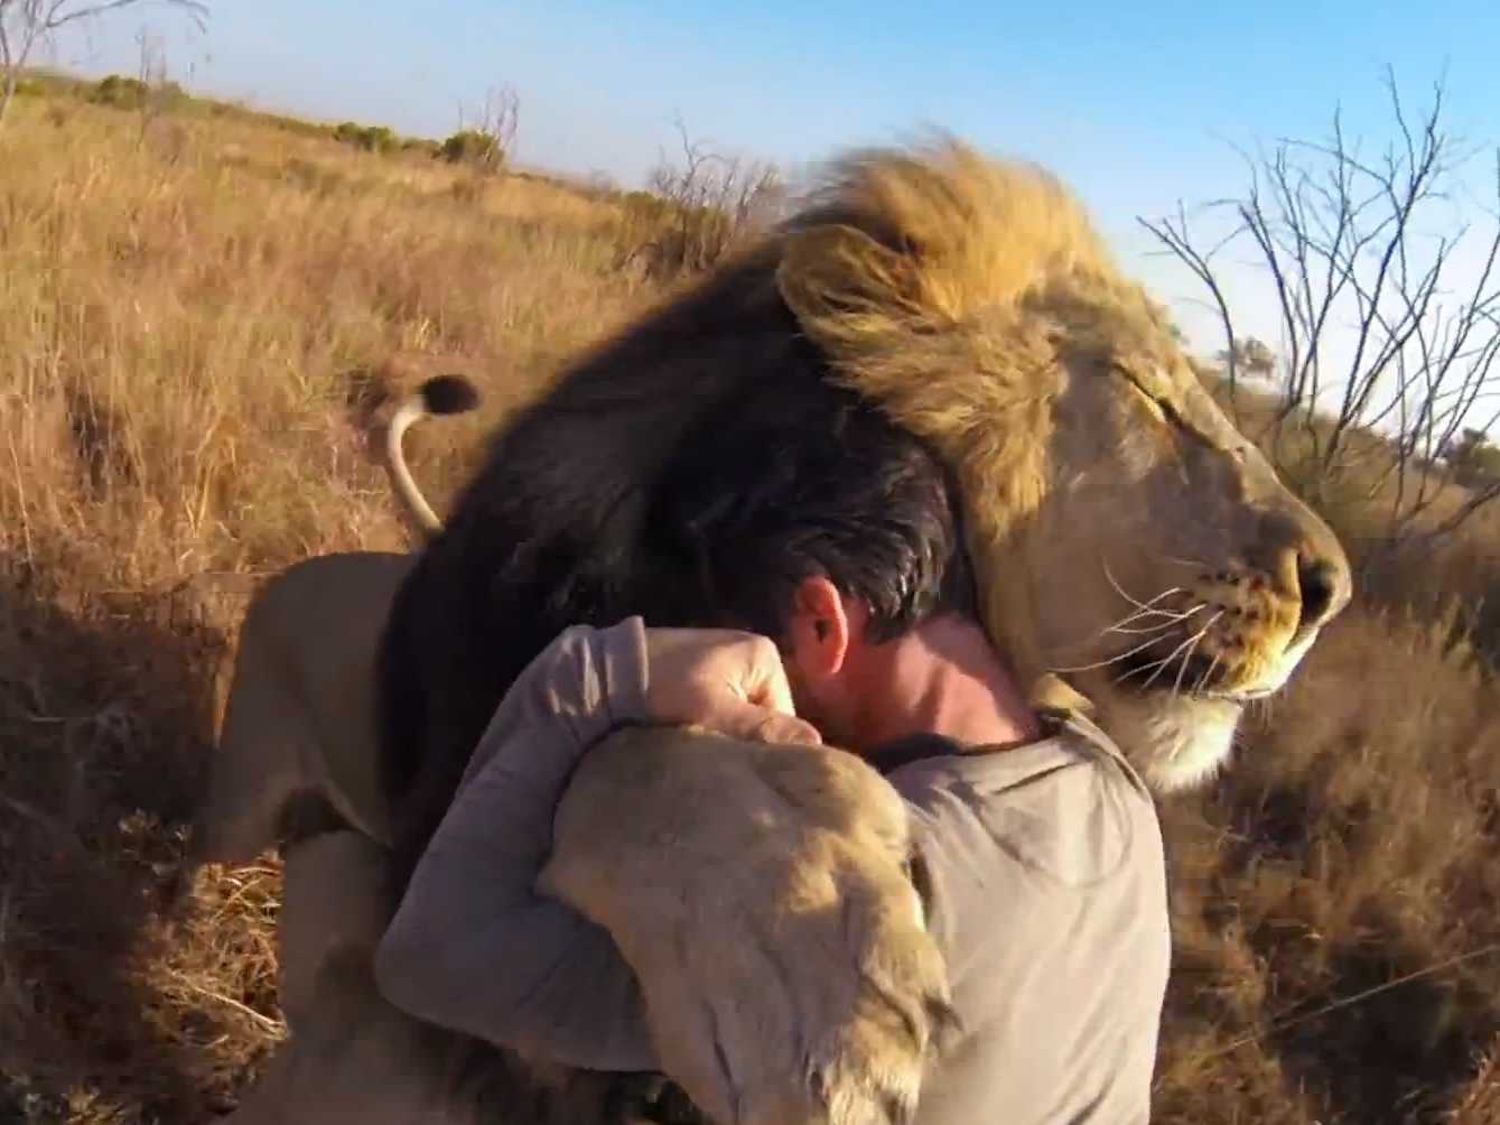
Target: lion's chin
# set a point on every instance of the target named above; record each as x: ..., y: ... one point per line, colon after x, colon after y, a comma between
x: 1176, y: 742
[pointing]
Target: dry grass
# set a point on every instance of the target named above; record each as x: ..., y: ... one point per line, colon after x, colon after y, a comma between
x: 1350, y: 848
x: 195, y: 333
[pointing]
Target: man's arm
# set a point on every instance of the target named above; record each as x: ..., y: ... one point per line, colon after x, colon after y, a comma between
x: 473, y: 947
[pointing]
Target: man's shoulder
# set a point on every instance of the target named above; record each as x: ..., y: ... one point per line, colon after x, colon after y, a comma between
x: 1067, y: 807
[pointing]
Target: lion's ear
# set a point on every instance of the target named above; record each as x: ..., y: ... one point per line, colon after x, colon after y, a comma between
x: 848, y: 292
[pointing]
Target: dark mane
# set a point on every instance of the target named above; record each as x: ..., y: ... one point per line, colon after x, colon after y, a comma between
x: 557, y: 527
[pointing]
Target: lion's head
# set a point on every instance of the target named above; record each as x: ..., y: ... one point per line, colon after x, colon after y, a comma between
x: 1123, y: 532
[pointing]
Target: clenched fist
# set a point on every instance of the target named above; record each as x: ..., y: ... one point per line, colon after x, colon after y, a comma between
x: 728, y: 681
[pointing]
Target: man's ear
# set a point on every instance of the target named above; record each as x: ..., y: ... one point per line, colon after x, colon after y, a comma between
x: 822, y: 627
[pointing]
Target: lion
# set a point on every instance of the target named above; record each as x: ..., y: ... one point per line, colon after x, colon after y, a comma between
x: 1126, y: 538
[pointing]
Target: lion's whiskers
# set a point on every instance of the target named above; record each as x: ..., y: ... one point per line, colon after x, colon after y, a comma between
x: 1140, y: 605
x: 1169, y: 614
x: 1188, y: 658
x: 1172, y: 619
x: 1204, y: 679
x: 1121, y: 626
x: 1152, y: 635
x: 1148, y: 619
x: 1190, y: 644
x: 1110, y: 660
x: 1197, y: 564
x: 1151, y: 620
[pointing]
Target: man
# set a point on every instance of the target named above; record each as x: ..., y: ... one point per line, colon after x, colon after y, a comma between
x: 1038, y: 847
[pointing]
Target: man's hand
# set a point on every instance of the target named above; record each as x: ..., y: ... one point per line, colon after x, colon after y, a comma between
x: 730, y: 682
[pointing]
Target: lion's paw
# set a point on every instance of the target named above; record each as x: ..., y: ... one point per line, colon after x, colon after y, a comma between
x: 760, y: 894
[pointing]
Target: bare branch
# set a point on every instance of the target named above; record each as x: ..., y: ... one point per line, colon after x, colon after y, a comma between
x: 1176, y: 237
x: 709, y: 202
x: 1376, y: 335
x: 486, y: 136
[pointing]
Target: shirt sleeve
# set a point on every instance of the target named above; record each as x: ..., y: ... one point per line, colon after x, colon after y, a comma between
x: 473, y: 947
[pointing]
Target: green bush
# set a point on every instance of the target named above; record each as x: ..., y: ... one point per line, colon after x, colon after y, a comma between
x: 1474, y: 459
x: 422, y: 146
x: 474, y: 148
x: 120, y: 92
x: 368, y: 138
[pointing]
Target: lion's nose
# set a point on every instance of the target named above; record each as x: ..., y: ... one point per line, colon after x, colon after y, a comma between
x: 1324, y: 585
x: 1308, y: 563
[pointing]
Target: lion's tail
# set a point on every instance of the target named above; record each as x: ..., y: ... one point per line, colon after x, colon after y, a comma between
x: 443, y: 394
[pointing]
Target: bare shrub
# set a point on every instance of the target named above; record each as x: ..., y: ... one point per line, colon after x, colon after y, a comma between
x: 699, y: 207
x: 1387, y: 351
x: 486, y: 136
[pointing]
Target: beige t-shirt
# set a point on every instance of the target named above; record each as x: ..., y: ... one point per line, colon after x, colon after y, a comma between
x: 1042, y: 868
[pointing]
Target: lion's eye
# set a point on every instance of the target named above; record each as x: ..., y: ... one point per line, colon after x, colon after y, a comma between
x: 1163, y: 410
x: 1157, y: 411
x: 1169, y: 412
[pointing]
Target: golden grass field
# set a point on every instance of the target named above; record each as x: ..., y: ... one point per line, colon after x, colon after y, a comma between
x: 198, y: 325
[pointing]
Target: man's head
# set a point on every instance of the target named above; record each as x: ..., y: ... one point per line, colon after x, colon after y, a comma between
x: 817, y: 522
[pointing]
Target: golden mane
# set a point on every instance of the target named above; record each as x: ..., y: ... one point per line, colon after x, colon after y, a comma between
x: 983, y: 234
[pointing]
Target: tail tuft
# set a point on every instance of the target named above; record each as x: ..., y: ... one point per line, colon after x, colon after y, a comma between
x: 449, y: 394
x: 444, y: 394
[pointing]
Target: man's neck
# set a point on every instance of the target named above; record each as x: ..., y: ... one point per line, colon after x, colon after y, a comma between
x: 944, y: 677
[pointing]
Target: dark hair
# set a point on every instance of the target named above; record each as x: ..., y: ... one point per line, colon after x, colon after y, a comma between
x: 773, y: 490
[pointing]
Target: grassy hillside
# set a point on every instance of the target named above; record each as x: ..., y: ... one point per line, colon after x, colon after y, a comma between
x: 198, y: 324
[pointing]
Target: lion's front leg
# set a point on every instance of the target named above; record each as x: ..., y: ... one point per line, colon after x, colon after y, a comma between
x: 759, y: 894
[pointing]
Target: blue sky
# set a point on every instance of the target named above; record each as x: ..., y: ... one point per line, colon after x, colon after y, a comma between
x: 1136, y: 106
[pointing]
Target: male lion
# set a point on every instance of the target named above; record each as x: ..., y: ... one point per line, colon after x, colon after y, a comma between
x: 1124, y: 534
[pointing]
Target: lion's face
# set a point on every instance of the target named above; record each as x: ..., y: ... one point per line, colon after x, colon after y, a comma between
x: 1172, y: 577
x: 1124, y: 533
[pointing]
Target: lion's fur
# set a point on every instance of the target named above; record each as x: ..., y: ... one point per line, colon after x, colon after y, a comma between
x: 296, y: 742
x: 888, y: 268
